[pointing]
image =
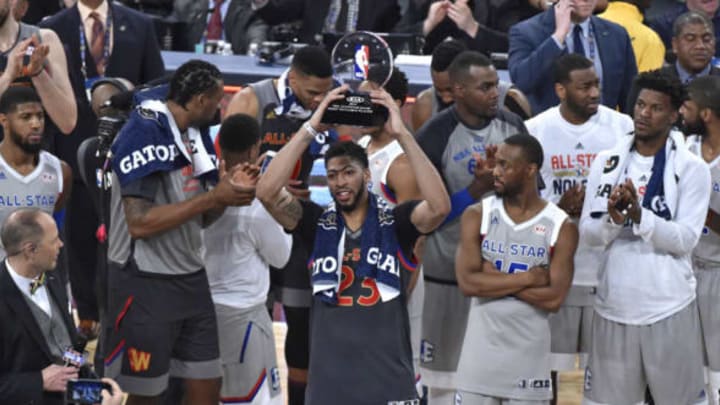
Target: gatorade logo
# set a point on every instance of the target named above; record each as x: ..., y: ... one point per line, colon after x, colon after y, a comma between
x: 139, y: 360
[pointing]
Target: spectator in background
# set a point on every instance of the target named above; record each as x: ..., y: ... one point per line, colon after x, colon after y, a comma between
x: 693, y: 44
x: 438, y: 97
x: 37, y: 10
x: 116, y: 42
x: 647, y: 45
x: 664, y: 24
x: 481, y: 24
x: 335, y: 16
x: 238, y: 23
x: 569, y: 26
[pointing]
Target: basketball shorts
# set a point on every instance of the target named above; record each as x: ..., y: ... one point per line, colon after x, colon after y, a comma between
x: 708, y: 296
x: 571, y: 329
x: 247, y: 354
x: 445, y: 316
x: 471, y: 398
x: 162, y: 326
x: 665, y: 357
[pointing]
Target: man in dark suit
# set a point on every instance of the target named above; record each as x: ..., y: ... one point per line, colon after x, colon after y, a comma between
x: 569, y: 26
x: 693, y: 44
x: 663, y: 24
x: 37, y: 328
x: 116, y: 42
x: 320, y: 16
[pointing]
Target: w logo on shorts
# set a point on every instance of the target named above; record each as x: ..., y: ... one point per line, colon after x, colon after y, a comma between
x: 139, y: 360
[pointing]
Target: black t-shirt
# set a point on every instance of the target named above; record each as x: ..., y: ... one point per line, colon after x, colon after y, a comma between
x: 360, y: 349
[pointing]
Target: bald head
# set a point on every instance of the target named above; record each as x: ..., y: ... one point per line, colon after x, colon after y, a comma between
x: 20, y: 228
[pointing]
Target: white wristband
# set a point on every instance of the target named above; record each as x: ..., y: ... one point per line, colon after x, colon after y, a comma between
x: 310, y: 129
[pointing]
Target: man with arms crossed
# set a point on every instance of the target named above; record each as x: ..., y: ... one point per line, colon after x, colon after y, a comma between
x: 516, y: 257
x: 359, y: 331
x: 646, y: 204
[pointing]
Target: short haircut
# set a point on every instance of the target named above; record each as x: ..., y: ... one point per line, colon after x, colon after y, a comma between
x: 661, y: 82
x: 192, y: 78
x: 445, y: 53
x: 460, y: 67
x: 566, y: 64
x: 396, y: 86
x: 238, y: 133
x: 312, y: 60
x: 20, y: 227
x: 15, y: 95
x: 531, y: 148
x: 705, y: 92
x: 691, y: 17
x: 349, y: 149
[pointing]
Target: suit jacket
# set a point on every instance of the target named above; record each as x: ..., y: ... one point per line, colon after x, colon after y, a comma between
x: 533, y: 52
x: 135, y: 56
x: 663, y: 24
x: 374, y: 15
x: 667, y: 69
x: 23, y: 349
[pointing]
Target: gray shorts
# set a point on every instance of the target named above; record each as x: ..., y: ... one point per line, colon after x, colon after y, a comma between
x: 471, y: 398
x: 708, y: 296
x: 444, y: 319
x: 571, y: 328
x: 665, y: 356
x: 247, y: 353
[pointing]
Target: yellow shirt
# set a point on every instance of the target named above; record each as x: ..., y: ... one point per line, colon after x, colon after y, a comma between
x: 647, y: 45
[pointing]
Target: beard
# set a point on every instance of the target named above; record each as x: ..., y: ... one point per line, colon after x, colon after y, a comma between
x: 27, y: 147
x: 696, y: 128
x: 350, y: 207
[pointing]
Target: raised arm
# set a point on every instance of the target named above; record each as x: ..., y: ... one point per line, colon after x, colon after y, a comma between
x: 550, y: 297
x: 472, y: 272
x: 283, y: 206
x: 431, y: 212
x: 53, y: 83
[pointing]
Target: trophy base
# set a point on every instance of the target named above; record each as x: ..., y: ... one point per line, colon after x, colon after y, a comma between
x: 355, y: 109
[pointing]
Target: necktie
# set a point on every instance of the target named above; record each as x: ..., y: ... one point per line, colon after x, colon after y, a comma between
x: 97, y: 43
x: 215, y: 27
x: 341, y: 23
x: 37, y: 282
x: 577, y: 41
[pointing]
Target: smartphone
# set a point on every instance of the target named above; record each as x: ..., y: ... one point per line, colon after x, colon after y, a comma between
x: 85, y: 391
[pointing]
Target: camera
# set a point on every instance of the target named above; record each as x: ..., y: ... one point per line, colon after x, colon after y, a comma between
x: 85, y: 391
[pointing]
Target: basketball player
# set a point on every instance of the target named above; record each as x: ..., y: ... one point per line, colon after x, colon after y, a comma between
x: 392, y: 178
x: 29, y: 177
x: 439, y: 97
x: 516, y: 257
x: 450, y: 139
x: 649, y: 202
x: 237, y: 250
x: 360, y: 351
x: 281, y: 105
x: 572, y: 134
x: 701, y: 120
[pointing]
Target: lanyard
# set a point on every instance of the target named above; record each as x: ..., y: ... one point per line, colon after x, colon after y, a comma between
x: 591, y: 43
x: 83, y: 43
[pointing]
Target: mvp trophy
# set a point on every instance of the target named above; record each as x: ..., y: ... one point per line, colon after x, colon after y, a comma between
x: 358, y: 57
